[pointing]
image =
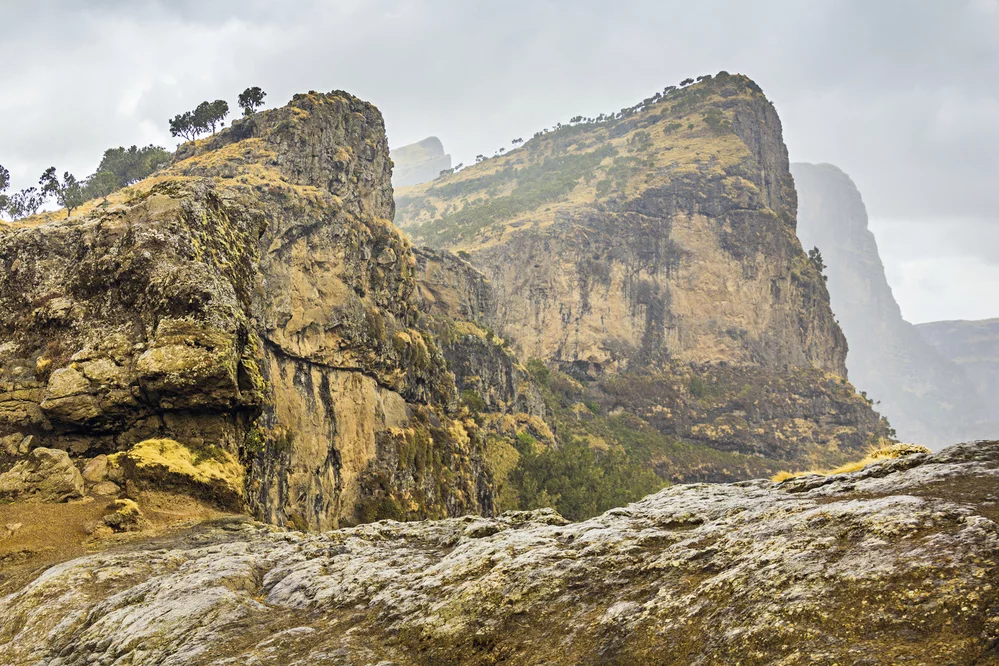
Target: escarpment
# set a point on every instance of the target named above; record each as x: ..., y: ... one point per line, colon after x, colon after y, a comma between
x: 252, y: 301
x: 651, y: 257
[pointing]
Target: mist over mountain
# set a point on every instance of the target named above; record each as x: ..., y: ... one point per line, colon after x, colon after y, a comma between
x: 928, y: 397
x: 974, y: 347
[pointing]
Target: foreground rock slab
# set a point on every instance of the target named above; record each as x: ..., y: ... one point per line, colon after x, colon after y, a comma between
x: 897, y: 563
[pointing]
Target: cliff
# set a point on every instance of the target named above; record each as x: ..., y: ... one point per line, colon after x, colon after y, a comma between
x: 419, y: 162
x: 652, y: 257
x: 927, y: 398
x: 974, y: 347
x: 251, y: 305
x: 897, y: 563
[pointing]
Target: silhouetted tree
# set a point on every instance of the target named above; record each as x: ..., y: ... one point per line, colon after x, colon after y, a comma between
x: 686, y: 82
x: 211, y: 115
x: 25, y: 203
x: 815, y: 256
x: 479, y: 158
x: 251, y: 99
x: 182, y: 125
x: 68, y: 193
x: 4, y: 184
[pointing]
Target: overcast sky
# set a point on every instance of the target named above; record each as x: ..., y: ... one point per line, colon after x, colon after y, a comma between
x: 900, y: 94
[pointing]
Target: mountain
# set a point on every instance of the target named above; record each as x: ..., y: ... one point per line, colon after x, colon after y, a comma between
x: 419, y: 162
x: 895, y: 564
x: 649, y: 259
x: 928, y: 398
x: 974, y: 347
x: 242, y: 326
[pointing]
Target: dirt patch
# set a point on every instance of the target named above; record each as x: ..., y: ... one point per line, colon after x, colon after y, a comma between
x: 52, y: 533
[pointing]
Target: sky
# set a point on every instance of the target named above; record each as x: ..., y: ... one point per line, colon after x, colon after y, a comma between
x: 900, y: 94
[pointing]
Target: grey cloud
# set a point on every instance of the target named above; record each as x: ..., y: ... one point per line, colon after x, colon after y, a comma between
x: 898, y: 93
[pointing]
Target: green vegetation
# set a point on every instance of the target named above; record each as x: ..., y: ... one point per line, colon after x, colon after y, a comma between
x: 251, y: 99
x: 536, y: 185
x: 580, y: 482
x: 130, y: 165
x: 206, y: 117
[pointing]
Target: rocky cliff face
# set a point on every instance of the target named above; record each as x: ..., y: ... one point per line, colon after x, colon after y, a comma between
x: 419, y: 162
x: 897, y: 563
x: 974, y: 347
x: 252, y: 300
x: 927, y: 398
x: 661, y: 243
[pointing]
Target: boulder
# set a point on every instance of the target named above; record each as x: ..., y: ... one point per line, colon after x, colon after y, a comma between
x: 47, y: 475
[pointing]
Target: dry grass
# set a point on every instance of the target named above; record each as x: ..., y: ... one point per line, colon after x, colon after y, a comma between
x: 884, y: 453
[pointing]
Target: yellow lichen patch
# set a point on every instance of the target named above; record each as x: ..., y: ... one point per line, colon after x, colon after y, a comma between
x: 887, y: 452
x: 209, y: 471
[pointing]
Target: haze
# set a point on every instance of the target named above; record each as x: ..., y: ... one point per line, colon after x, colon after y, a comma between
x: 900, y: 95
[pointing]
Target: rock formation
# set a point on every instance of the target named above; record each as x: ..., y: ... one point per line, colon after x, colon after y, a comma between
x: 652, y: 257
x: 927, y: 398
x: 419, y: 162
x: 974, y: 347
x: 897, y: 563
x: 251, y: 305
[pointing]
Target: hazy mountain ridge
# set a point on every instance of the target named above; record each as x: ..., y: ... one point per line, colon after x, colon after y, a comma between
x: 928, y: 398
x: 657, y: 248
x: 419, y: 162
x: 974, y: 347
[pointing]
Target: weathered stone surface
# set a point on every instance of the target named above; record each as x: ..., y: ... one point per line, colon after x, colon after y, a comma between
x: 897, y: 563
x: 47, y: 475
x: 253, y: 298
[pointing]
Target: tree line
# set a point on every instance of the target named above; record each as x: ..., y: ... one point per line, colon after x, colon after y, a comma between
x: 119, y: 167
x: 210, y: 116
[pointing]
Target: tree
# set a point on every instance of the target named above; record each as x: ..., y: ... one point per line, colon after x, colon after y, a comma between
x: 4, y: 184
x: 25, y: 203
x: 815, y: 256
x: 130, y: 165
x: 517, y: 141
x: 182, y: 125
x: 251, y: 100
x: 69, y: 193
x: 210, y: 115
x: 686, y: 82
x: 101, y: 184
x: 479, y: 158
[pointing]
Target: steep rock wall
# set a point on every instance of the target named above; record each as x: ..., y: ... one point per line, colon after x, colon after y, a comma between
x: 662, y: 242
x: 254, y: 297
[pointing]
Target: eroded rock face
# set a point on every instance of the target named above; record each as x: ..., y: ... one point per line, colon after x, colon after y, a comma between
x: 659, y: 247
x: 254, y: 297
x: 897, y: 563
x: 47, y: 475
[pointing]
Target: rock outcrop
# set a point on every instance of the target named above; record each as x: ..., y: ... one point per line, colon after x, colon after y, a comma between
x: 897, y: 563
x: 974, y: 347
x: 419, y: 162
x: 652, y: 255
x: 927, y: 398
x: 251, y: 302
